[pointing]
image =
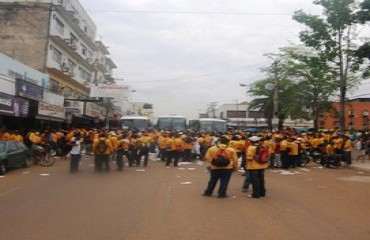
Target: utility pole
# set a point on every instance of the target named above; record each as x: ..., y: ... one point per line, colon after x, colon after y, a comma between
x: 275, y: 118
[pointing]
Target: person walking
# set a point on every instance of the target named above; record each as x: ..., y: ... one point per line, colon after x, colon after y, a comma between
x: 75, y: 153
x: 224, y: 161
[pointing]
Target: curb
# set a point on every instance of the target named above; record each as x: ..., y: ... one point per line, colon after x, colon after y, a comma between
x: 359, y: 168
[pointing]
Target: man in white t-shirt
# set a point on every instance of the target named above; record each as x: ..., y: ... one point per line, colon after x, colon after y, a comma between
x: 75, y: 153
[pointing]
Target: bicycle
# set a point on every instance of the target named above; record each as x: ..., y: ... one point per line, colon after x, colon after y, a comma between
x: 42, y: 155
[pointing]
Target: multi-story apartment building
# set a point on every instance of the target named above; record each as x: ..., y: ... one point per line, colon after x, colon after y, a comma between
x: 357, y: 115
x: 56, y: 37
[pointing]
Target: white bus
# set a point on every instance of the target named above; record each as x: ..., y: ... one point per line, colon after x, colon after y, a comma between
x: 172, y: 122
x: 135, y: 122
x: 209, y: 125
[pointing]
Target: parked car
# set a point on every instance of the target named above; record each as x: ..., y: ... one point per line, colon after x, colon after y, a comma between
x: 13, y: 154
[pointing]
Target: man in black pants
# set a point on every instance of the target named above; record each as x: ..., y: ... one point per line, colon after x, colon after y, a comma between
x: 222, y: 173
x: 255, y: 168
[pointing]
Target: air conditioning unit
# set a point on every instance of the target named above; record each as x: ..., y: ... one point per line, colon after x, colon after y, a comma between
x: 64, y: 67
x: 76, y: 20
x: 74, y: 46
x: 68, y: 40
x: 365, y: 113
x: 71, y: 73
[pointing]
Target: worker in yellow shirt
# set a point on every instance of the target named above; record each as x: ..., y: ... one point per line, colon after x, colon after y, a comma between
x: 347, y: 149
x: 144, y: 143
x: 18, y: 137
x: 122, y: 150
x: 102, y: 148
x: 188, y: 147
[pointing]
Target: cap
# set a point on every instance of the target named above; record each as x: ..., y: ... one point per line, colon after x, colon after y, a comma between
x: 254, y: 139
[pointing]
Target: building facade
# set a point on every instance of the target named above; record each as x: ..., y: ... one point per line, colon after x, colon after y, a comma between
x: 57, y: 38
x: 357, y: 117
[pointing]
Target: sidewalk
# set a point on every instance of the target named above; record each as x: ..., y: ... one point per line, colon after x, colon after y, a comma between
x: 362, y: 166
x: 359, y: 165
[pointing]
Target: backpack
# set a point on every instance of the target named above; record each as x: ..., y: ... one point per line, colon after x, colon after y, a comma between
x: 221, y: 159
x: 262, y: 155
x: 102, y: 146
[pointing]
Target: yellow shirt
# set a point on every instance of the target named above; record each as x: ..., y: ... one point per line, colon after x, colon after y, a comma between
x: 212, y: 152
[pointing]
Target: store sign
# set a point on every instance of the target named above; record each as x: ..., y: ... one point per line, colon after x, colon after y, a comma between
x: 94, y: 110
x: 29, y: 90
x: 53, y: 99
x: 112, y: 91
x: 13, y: 106
x: 7, y: 85
x: 75, y: 107
x: 51, y: 110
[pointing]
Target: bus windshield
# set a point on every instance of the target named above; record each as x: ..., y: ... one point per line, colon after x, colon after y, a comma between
x: 172, y: 123
x: 212, y: 126
x: 138, y: 124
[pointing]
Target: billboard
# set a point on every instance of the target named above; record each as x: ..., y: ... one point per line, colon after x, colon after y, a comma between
x: 111, y: 91
x: 94, y: 110
x: 51, y: 110
x: 13, y: 106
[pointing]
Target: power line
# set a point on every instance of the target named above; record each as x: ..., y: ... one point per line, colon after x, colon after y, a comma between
x: 201, y: 75
x: 190, y: 12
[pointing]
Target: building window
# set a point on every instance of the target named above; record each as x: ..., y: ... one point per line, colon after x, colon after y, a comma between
x: 57, y: 55
x: 71, y: 65
x: 236, y: 114
x: 73, y: 38
x: 59, y: 26
x: 336, y: 123
x: 83, y: 50
x: 81, y: 73
x: 53, y: 85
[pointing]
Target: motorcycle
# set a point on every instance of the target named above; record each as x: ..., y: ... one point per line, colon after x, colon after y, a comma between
x: 309, y: 155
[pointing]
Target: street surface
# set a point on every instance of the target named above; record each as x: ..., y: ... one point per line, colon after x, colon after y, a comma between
x: 159, y: 203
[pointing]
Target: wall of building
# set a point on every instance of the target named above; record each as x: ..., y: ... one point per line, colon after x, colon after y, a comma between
x: 22, y: 26
x: 356, y: 113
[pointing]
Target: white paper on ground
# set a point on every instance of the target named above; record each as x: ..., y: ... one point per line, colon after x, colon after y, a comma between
x: 2, y: 176
x: 26, y: 172
x: 185, y: 183
x: 44, y: 174
x: 283, y: 172
x: 140, y: 170
x: 181, y: 168
x: 184, y: 163
x: 191, y: 169
x: 305, y: 169
x: 200, y: 163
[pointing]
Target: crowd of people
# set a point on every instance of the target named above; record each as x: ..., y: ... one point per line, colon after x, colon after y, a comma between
x: 222, y: 151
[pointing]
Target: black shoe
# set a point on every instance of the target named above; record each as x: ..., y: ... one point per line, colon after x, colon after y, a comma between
x: 206, y: 195
x: 244, y: 190
x: 222, y: 196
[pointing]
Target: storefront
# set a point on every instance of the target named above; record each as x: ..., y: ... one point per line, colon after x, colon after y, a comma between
x: 14, y: 112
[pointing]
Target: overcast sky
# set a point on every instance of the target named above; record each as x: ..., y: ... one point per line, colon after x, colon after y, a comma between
x: 180, y: 55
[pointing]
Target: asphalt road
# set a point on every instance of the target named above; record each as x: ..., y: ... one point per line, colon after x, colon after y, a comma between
x: 159, y: 203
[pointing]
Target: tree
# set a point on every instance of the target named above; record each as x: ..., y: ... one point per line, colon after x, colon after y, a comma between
x: 314, y: 83
x: 363, y: 52
x: 264, y: 101
x: 331, y: 37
